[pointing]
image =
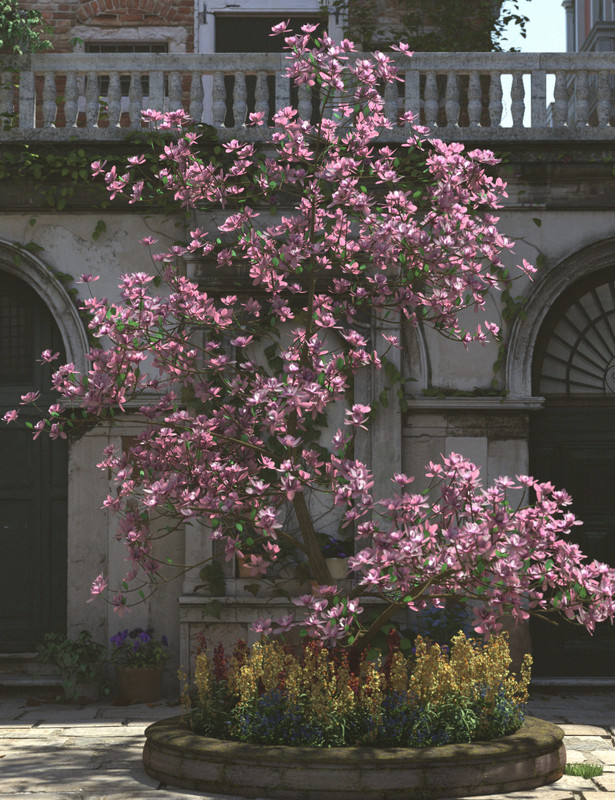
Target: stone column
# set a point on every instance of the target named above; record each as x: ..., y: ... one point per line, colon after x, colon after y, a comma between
x: 569, y: 6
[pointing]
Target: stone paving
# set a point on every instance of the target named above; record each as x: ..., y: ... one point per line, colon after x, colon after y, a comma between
x: 60, y: 752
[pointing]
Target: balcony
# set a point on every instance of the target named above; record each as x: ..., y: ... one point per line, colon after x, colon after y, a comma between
x: 474, y: 97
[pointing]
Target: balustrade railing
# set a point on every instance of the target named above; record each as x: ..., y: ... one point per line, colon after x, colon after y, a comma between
x: 464, y: 96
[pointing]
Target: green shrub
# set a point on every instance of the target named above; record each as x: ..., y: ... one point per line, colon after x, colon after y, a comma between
x: 22, y: 30
x: 436, y: 696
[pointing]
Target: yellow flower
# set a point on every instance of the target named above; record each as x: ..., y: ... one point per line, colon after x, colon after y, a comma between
x: 202, y: 676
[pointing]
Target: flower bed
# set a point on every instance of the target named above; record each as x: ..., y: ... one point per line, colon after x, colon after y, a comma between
x: 329, y: 697
x: 531, y: 757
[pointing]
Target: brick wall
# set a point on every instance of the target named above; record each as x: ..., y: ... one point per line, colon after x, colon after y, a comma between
x: 70, y: 18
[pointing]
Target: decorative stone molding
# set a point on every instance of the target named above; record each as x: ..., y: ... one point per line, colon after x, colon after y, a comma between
x: 175, y: 37
x: 445, y: 405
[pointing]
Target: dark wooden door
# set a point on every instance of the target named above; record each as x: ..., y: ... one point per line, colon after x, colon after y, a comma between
x: 33, y: 478
x: 574, y: 448
x: 572, y: 444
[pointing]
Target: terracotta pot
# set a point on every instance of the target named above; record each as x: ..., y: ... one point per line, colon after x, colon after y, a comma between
x: 338, y: 568
x: 139, y: 684
x: 243, y: 571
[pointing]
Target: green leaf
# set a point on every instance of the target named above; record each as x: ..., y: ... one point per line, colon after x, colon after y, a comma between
x: 101, y: 227
x: 33, y: 247
x: 537, y: 221
x: 213, y: 578
x: 213, y: 609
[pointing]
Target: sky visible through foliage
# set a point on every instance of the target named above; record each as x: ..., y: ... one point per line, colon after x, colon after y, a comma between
x: 546, y: 29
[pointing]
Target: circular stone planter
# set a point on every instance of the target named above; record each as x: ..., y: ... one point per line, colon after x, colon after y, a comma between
x: 532, y: 757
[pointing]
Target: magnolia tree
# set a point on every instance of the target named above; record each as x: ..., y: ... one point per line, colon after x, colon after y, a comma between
x: 236, y: 392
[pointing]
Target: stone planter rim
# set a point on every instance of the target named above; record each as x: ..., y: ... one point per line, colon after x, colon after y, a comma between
x: 535, y: 735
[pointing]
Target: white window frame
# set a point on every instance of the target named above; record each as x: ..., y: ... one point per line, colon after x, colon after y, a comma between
x: 205, y: 32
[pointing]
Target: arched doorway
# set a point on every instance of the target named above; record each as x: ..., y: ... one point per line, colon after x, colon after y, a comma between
x: 33, y: 477
x: 572, y: 444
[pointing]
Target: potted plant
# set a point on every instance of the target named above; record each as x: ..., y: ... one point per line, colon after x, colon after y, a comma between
x: 80, y: 662
x: 336, y: 553
x: 139, y: 656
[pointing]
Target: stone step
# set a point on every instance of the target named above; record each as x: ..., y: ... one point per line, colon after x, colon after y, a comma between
x: 24, y: 664
x: 595, y: 683
x: 23, y: 674
x: 30, y: 686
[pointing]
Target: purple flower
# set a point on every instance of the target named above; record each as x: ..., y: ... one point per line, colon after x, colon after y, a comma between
x: 139, y: 648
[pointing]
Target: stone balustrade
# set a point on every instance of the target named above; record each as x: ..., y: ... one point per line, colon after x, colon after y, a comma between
x: 470, y: 97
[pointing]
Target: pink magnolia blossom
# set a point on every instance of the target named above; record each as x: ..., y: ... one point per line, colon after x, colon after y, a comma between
x: 47, y: 357
x: 99, y: 585
x: 29, y: 397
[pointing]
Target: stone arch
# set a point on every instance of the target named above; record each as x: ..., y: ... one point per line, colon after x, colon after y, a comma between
x: 148, y: 9
x: 30, y: 269
x: 544, y: 294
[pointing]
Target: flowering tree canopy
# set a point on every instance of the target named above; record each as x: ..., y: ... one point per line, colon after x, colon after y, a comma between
x: 236, y: 391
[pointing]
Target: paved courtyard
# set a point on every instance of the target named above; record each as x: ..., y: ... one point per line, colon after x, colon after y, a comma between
x: 59, y: 752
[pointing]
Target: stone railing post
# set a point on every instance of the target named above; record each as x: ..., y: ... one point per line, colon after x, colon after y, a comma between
x: 539, y: 98
x: 26, y: 100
